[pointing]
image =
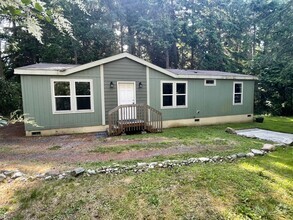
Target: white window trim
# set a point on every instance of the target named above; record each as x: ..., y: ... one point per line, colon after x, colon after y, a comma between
x: 73, y: 96
x: 174, y: 95
x: 234, y: 83
x: 206, y: 84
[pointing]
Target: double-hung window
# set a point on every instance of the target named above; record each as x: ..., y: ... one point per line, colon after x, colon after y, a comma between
x: 174, y: 94
x: 72, y: 95
x: 237, y: 93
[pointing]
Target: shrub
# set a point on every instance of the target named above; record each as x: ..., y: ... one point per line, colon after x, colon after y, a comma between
x: 10, y: 96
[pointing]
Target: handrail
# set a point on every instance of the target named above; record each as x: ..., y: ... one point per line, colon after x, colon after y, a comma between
x: 134, y: 117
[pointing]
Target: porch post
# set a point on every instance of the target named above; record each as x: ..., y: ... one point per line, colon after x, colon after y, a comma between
x: 102, y: 94
x: 148, y: 84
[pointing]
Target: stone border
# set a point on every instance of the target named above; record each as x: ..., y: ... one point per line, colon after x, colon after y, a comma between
x: 11, y: 175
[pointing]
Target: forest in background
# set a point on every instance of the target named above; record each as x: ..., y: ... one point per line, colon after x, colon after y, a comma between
x: 242, y: 36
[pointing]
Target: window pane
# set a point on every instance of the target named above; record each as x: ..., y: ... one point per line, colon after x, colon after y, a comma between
x: 237, y: 98
x: 181, y: 88
x: 62, y: 88
x: 82, y: 88
x: 62, y: 103
x: 210, y: 82
x: 167, y: 100
x: 83, y: 103
x: 167, y: 88
x: 180, y: 99
x: 238, y: 88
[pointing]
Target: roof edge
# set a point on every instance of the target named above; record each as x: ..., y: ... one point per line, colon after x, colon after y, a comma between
x: 19, y: 71
x: 121, y: 56
x: 247, y: 77
x: 118, y: 57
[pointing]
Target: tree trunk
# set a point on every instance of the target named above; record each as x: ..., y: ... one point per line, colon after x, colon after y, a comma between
x: 167, y: 59
x: 253, y: 41
x: 174, y: 56
x: 1, y: 69
x: 131, y: 41
x: 192, y: 59
x: 75, y: 56
x: 121, y: 39
x: 1, y: 63
x: 138, y: 47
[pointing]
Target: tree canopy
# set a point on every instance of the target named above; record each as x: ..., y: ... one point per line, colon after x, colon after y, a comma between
x: 243, y: 36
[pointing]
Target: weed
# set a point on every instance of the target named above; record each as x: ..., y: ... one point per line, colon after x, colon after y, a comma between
x: 153, y: 200
x: 4, y: 149
x: 3, y: 211
x: 55, y: 147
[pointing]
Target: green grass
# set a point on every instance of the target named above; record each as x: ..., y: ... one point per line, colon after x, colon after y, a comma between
x: 209, y: 140
x: 3, y: 210
x: 205, y: 141
x: 55, y: 147
x: 256, y: 188
x: 122, y: 148
x: 211, y: 147
x: 251, y: 188
x: 281, y: 124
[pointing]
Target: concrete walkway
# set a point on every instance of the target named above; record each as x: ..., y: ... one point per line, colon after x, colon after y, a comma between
x: 277, y: 137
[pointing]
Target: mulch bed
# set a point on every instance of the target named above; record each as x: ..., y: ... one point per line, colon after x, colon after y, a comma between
x: 12, y: 131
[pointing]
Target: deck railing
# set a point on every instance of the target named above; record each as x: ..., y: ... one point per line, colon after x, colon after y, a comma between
x: 134, y: 117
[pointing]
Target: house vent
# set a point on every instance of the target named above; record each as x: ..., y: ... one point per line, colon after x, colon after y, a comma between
x: 196, y: 119
x: 36, y: 133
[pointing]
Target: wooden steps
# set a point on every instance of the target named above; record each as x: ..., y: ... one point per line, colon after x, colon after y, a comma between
x: 133, y: 118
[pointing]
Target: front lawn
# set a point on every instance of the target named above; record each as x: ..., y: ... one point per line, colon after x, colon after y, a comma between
x: 256, y: 188
x: 250, y: 188
x: 201, y: 141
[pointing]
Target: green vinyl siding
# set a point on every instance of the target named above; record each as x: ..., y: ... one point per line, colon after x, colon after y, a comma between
x: 37, y: 102
x: 123, y: 70
x: 203, y: 101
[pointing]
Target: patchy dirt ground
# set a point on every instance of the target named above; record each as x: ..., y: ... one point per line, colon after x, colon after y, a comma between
x: 33, y: 155
x: 42, y: 153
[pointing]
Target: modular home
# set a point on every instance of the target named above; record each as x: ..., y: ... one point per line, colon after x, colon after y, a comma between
x: 124, y: 92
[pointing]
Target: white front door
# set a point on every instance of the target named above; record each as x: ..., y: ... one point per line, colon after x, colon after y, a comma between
x: 126, y: 96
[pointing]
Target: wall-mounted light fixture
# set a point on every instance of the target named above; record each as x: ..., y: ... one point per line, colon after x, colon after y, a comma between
x: 140, y: 85
x: 111, y: 84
